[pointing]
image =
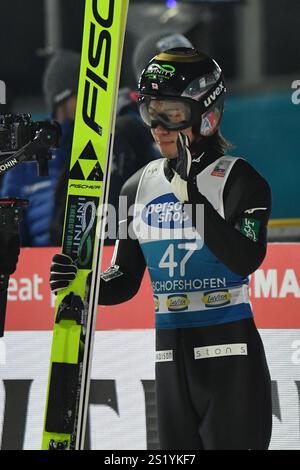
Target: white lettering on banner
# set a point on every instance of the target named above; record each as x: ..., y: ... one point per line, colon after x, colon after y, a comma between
x: 123, y: 362
x: 289, y: 284
x: 285, y: 428
x: 295, y: 358
x: 266, y: 284
x: 25, y: 289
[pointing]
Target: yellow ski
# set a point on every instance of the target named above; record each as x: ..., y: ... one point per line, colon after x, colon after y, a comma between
x: 76, y: 306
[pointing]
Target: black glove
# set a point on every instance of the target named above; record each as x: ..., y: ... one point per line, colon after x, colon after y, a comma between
x: 63, y: 271
x: 182, y: 168
x: 9, y: 253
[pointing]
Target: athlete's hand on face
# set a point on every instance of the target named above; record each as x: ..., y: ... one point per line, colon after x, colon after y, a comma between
x: 182, y: 168
x: 63, y: 271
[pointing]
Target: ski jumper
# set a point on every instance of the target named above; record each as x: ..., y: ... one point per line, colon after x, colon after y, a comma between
x: 212, y: 379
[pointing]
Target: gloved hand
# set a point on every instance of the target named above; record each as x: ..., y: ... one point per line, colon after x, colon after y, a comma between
x: 9, y: 253
x: 63, y: 271
x: 182, y: 168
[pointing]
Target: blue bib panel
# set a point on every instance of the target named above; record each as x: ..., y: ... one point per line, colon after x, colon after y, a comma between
x: 191, y: 286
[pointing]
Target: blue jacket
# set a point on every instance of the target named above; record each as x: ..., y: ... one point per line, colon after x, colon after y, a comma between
x: 24, y: 182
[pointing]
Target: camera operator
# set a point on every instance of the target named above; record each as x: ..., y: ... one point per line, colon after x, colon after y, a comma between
x: 21, y: 140
x: 60, y: 88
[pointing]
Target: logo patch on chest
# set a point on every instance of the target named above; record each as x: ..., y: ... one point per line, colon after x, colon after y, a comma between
x: 166, y: 212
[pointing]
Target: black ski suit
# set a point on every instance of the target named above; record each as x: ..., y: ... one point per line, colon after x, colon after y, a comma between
x: 212, y: 379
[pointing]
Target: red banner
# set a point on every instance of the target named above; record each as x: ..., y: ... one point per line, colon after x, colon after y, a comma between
x: 275, y: 287
x: 274, y: 293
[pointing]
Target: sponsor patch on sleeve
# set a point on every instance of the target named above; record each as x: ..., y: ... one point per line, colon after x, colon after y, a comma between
x: 250, y: 228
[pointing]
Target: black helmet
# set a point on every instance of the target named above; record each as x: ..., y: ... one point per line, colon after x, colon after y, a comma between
x: 197, y: 83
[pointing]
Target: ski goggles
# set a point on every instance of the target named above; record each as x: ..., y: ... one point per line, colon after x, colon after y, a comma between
x: 173, y: 114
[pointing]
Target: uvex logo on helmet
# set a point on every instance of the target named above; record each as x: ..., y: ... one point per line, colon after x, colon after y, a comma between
x: 214, y: 95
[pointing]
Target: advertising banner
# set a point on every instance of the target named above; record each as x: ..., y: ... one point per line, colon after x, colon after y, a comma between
x: 274, y: 293
x: 122, y: 400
